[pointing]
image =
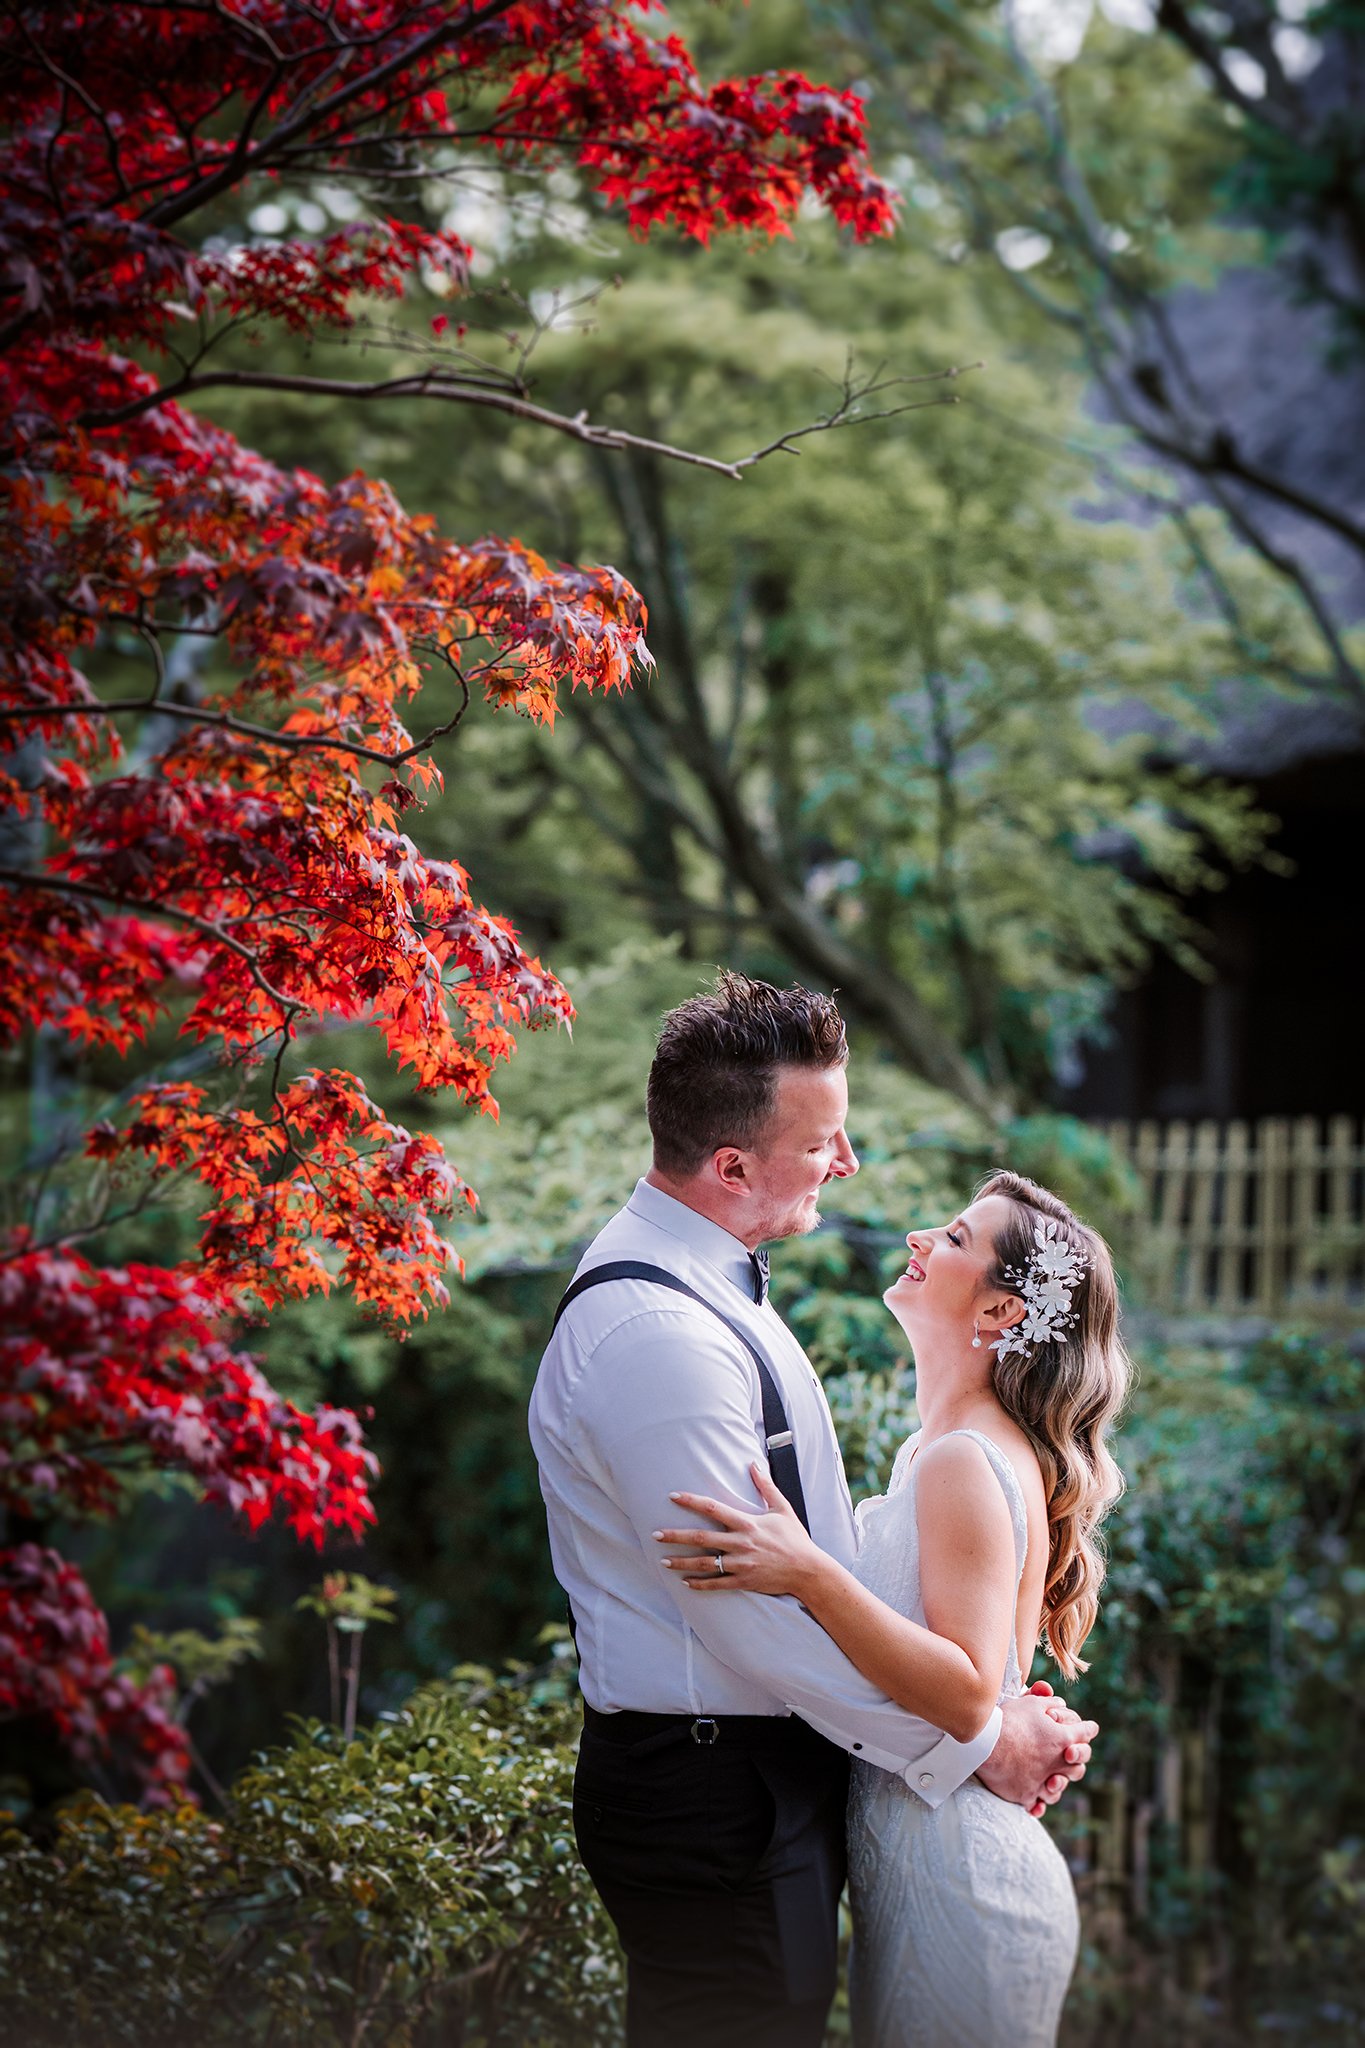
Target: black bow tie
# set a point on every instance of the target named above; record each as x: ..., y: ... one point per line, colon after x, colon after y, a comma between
x: 759, y: 1262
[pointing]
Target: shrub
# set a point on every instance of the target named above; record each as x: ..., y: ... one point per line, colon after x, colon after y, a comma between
x: 416, y: 1883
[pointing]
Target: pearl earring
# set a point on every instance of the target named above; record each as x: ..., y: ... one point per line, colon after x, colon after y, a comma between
x: 976, y: 1335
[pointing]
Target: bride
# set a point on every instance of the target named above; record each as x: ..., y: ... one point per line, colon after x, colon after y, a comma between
x: 964, y: 1915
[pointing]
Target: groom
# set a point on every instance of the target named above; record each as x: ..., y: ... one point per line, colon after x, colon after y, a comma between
x: 709, y: 1796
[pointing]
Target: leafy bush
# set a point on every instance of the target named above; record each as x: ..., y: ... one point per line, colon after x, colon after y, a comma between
x: 417, y: 1883
x: 1226, y: 1672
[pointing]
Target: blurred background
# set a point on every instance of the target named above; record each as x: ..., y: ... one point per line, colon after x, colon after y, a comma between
x: 1032, y: 723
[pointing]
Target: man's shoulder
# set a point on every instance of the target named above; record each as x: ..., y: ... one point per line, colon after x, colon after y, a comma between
x: 619, y: 1302
x: 618, y: 1238
x: 629, y: 1310
x: 624, y: 1341
x: 630, y: 1236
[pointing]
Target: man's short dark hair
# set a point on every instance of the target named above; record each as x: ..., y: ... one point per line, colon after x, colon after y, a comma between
x: 714, y: 1077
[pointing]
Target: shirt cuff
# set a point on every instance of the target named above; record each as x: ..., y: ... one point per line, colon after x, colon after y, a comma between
x: 950, y: 1764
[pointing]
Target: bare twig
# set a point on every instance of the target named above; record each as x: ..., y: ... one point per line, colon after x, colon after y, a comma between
x: 440, y: 384
x: 849, y: 413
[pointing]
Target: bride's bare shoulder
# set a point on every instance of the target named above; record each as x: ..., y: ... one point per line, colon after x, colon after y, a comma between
x: 957, y: 1459
x: 959, y: 1503
x: 1007, y: 1436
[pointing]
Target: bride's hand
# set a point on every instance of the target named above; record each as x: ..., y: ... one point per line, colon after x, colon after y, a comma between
x: 763, y: 1553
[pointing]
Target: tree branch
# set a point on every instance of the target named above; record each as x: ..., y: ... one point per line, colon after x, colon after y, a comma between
x: 1347, y: 675
x: 60, y: 885
x: 1176, y: 20
x: 289, y: 742
x: 1220, y: 457
x: 238, y: 166
x: 437, y: 383
x: 872, y: 988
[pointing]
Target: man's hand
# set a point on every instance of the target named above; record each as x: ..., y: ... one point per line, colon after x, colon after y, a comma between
x: 1044, y: 1746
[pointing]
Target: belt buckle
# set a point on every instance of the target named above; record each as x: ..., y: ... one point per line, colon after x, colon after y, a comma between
x: 705, y: 1721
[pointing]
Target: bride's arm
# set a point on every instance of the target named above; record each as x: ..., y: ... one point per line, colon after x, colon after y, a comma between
x: 949, y: 1673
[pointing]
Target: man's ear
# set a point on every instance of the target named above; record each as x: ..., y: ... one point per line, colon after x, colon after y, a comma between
x: 730, y: 1167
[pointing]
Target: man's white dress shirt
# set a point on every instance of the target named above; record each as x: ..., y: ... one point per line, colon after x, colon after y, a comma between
x: 642, y: 1393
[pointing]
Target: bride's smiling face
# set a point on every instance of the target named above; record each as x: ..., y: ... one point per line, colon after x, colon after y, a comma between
x: 944, y: 1287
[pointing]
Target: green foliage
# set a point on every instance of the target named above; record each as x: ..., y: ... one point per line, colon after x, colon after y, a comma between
x: 930, y: 659
x: 349, y: 1602
x: 873, y: 1413
x: 199, y: 1661
x: 1234, y: 1616
x: 910, y: 658
x: 461, y: 1525
x: 1336, y: 1917
x: 925, y: 662
x: 1241, y: 1541
x: 571, y: 1139
x: 416, y: 1884
x: 1080, y: 168
x: 421, y: 1877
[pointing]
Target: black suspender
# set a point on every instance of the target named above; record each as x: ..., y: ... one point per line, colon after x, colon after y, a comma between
x: 776, y: 1429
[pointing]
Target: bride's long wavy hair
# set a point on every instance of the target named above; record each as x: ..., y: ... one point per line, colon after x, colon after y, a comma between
x: 1065, y: 1394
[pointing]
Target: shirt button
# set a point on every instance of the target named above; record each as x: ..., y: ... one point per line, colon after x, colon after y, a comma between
x: 857, y: 1745
x: 926, y: 1777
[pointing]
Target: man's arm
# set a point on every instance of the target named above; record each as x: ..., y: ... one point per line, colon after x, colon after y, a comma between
x: 1044, y: 1746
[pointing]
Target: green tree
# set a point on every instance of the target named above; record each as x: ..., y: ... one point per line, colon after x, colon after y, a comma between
x: 922, y: 677
x: 1112, y: 164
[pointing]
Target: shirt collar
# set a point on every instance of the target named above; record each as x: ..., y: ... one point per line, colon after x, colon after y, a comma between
x: 714, y: 1243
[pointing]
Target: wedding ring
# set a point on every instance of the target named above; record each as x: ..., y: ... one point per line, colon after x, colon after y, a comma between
x: 720, y: 1565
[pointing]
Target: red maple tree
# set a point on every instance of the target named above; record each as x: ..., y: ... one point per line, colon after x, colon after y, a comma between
x: 247, y: 872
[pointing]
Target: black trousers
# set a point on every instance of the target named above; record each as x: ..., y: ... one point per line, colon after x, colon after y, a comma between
x: 720, y: 1862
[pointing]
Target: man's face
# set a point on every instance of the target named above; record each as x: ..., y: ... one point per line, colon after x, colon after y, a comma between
x: 803, y: 1145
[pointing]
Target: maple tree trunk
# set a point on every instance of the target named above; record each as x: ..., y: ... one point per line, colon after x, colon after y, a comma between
x: 867, y: 987
x: 973, y: 971
x: 654, y: 840
x: 772, y: 598
x: 353, y: 1684
x: 334, y: 1673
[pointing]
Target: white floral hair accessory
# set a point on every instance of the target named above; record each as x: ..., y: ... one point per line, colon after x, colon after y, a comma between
x: 1045, y: 1287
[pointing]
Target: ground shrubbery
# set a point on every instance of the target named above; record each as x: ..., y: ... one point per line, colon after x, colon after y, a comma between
x: 416, y: 1884
x: 1226, y: 1671
x: 419, y: 1883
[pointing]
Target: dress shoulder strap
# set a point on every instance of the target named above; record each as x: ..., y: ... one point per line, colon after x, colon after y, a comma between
x: 901, y: 1463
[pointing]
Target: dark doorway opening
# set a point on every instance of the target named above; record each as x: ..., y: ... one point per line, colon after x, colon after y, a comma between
x: 1278, y: 1030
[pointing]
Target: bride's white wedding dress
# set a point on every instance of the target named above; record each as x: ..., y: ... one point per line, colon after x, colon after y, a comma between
x: 964, y: 1915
